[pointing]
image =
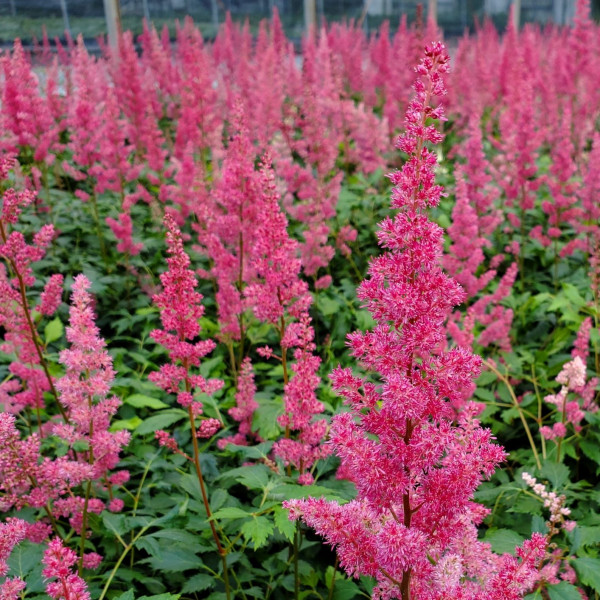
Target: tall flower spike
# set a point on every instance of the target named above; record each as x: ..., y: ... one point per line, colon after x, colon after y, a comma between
x: 413, y: 523
x: 180, y: 311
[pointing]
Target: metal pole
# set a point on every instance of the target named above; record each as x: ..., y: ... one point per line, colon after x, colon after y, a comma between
x: 310, y: 14
x: 215, y: 15
x: 112, y: 11
x: 146, y: 11
x: 65, y: 15
x: 432, y: 11
x: 517, y: 14
x: 13, y: 8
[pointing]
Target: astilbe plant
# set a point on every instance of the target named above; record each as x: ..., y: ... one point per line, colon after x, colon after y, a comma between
x: 280, y: 297
x: 413, y: 523
x: 180, y: 311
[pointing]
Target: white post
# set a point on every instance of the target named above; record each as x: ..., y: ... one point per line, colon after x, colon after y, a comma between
x: 65, y: 15
x: 310, y: 14
x: 432, y: 11
x: 517, y: 14
x: 214, y: 9
x: 112, y: 11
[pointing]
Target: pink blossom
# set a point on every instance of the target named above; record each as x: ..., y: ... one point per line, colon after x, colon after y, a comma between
x: 58, y: 564
x: 11, y: 588
x: 414, y: 468
x: 208, y: 428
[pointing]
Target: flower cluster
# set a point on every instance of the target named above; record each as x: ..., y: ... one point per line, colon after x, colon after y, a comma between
x: 413, y: 523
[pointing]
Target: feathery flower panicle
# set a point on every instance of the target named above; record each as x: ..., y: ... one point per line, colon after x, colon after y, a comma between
x: 414, y: 468
x: 245, y: 406
x: 85, y: 387
x: 279, y: 296
x: 11, y: 588
x: 180, y: 312
x: 576, y: 394
x: 59, y: 564
x: 12, y: 531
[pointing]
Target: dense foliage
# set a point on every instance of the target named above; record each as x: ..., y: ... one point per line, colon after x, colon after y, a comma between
x: 195, y: 238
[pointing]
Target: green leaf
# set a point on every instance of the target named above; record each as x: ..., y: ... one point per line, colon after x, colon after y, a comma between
x: 327, y: 306
x: 25, y: 561
x: 198, y: 583
x: 257, y: 531
x: 345, y: 589
x: 264, y: 420
x: 129, y: 424
x: 231, y: 512
x: 162, y: 420
x: 174, y: 560
x: 115, y: 523
x: 589, y: 535
x: 556, y: 473
x: 53, y: 331
x: 255, y: 477
x: 143, y: 401
x: 283, y: 523
x: 503, y: 540
x: 588, y: 570
x: 160, y: 597
x: 563, y: 591
x: 128, y: 595
x: 591, y: 449
x: 486, y: 378
x: 81, y: 446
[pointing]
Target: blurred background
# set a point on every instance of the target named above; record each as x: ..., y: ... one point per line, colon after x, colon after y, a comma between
x: 25, y: 19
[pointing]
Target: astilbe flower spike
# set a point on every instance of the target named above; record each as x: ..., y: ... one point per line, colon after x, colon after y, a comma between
x: 59, y: 562
x: 180, y: 311
x: 413, y: 523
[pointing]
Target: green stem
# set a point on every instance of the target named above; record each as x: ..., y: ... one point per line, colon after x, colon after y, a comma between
x: 221, y: 551
x: 502, y: 378
x: 99, y: 229
x: 332, y: 585
x: 296, y: 570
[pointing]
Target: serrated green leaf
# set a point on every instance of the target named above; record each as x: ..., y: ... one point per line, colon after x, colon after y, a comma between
x: 563, y: 591
x: 257, y: 531
x: 143, y: 401
x: 128, y: 595
x: 503, y: 540
x: 198, y: 583
x: 264, y: 420
x: 175, y: 560
x: 53, y: 331
x: 254, y: 477
x: 345, y: 589
x: 591, y: 449
x: 588, y: 570
x: 327, y: 306
x: 25, y: 561
x: 590, y: 536
x: 283, y: 523
x: 115, y: 523
x: 556, y: 473
x: 161, y: 420
x: 231, y: 512
x: 486, y: 378
x: 81, y: 445
x: 129, y: 424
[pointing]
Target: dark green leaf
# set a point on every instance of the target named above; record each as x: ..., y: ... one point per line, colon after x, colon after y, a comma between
x: 257, y: 531
x: 503, y: 540
x: 588, y: 570
x: 563, y: 591
x: 53, y: 331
